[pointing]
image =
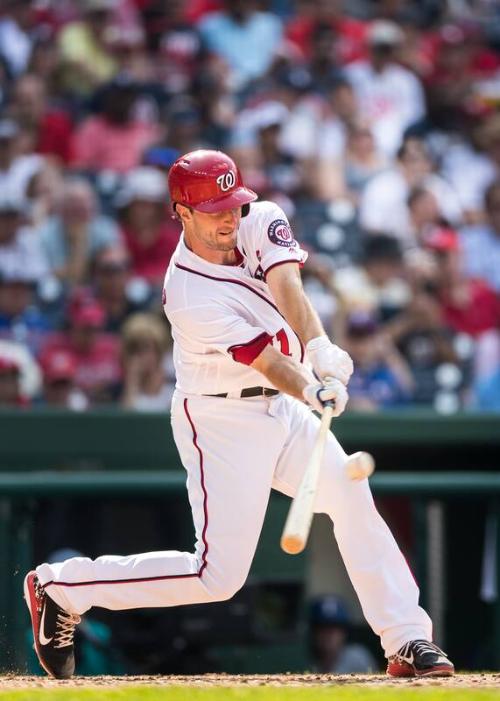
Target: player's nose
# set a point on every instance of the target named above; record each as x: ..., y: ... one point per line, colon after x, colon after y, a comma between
x: 231, y: 216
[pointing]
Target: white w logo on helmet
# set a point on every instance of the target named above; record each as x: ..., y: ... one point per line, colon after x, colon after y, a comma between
x: 226, y: 181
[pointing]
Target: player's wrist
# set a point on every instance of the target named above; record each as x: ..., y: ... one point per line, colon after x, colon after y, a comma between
x: 318, y: 343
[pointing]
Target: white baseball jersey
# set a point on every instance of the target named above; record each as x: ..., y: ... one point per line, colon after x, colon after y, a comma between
x: 223, y: 316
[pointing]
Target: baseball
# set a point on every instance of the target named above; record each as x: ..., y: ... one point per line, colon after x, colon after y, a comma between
x: 359, y: 466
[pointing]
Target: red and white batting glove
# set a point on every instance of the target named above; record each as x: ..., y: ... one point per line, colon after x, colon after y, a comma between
x: 328, y: 360
x: 333, y: 390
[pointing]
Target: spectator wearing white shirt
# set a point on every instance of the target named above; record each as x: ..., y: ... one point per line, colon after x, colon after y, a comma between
x: 391, y: 97
x: 481, y: 244
x: 384, y: 202
x: 15, y: 41
x: 15, y: 171
x: 19, y: 245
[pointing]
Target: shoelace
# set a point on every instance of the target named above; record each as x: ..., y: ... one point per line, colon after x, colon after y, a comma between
x: 65, y: 629
x: 420, y: 647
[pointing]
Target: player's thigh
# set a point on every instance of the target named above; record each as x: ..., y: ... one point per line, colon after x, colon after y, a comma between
x: 229, y: 449
x: 303, y: 428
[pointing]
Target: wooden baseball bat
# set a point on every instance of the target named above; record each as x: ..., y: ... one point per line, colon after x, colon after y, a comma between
x: 298, y: 522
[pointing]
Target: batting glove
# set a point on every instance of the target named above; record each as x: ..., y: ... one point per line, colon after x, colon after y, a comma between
x: 333, y: 390
x: 328, y: 360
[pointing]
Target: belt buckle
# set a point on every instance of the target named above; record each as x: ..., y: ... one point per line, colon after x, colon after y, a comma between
x: 267, y: 392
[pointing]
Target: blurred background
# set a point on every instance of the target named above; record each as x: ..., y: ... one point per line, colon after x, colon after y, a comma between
x: 375, y: 125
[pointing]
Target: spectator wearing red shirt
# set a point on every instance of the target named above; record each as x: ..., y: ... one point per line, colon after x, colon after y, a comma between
x: 59, y: 390
x: 115, y: 139
x: 351, y: 33
x: 470, y: 305
x: 150, y: 234
x: 49, y: 129
x: 96, y: 354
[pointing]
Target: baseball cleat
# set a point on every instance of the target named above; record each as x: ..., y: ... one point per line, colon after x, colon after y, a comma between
x: 53, y: 630
x: 420, y: 658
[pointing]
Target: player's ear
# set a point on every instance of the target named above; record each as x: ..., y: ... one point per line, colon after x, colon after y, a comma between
x: 184, y: 213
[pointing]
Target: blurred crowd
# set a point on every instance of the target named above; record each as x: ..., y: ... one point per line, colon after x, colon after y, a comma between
x: 374, y: 124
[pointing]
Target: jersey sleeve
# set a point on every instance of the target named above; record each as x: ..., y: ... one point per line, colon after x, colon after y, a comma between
x: 219, y: 329
x: 276, y: 240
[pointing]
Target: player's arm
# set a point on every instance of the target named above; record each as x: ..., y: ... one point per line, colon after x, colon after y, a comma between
x: 327, y: 359
x: 295, y: 379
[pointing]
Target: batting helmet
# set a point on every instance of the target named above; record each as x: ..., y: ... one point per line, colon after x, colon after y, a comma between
x: 208, y: 181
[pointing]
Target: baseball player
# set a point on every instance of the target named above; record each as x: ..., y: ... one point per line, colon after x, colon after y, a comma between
x: 243, y: 425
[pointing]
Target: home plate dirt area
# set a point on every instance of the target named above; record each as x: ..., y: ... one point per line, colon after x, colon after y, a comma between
x: 471, y: 681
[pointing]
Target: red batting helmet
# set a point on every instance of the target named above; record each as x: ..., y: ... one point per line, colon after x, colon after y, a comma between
x: 207, y: 181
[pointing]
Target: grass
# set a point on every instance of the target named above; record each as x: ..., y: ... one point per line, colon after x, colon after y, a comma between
x: 141, y: 693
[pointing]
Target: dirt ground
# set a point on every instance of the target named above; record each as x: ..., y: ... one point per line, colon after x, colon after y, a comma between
x: 482, y: 680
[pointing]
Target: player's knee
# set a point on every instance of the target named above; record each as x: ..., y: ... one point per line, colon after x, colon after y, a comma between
x: 224, y: 590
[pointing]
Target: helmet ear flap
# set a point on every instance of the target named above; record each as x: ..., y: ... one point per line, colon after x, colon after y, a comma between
x: 245, y: 209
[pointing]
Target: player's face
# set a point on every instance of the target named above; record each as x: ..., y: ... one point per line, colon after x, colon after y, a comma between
x: 217, y: 231
x: 210, y: 235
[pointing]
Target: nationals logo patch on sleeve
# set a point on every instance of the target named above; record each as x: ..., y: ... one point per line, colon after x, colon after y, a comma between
x: 280, y: 233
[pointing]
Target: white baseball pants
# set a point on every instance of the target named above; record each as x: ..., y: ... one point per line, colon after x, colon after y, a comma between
x: 234, y: 452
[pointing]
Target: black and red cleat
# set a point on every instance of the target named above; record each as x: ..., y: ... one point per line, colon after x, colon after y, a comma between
x: 53, y: 630
x: 420, y: 658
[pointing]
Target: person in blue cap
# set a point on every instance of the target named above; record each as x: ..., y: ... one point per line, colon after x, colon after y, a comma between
x: 332, y: 653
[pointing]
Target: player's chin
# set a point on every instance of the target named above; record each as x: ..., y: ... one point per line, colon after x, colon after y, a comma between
x: 226, y: 242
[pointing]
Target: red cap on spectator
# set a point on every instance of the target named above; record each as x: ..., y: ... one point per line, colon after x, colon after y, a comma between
x: 58, y: 365
x: 88, y: 313
x: 442, y: 239
x: 8, y: 365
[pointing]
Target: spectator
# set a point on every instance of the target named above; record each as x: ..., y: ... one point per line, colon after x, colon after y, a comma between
x: 421, y: 336
x: 330, y: 626
x: 486, y: 394
x: 21, y: 320
x: 49, y: 129
x: 19, y: 245
x: 150, y: 234
x: 96, y: 353
x: 378, y: 284
x: 481, y: 243
x: 469, y: 305
x: 424, y: 213
x: 22, y: 381
x: 16, y: 42
x: 114, y: 139
x: 59, y: 389
x: 177, y: 45
x: 15, y: 170
x: 384, y: 202
x: 145, y: 343
x: 246, y: 38
x: 390, y: 96
x: 184, y: 130
x: 361, y: 160
x: 86, y: 59
x: 76, y: 232
x: 381, y: 377
x: 127, y: 45
x: 10, y: 390
x: 472, y: 163
x: 119, y: 295
x: 44, y: 194
x: 310, y: 14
